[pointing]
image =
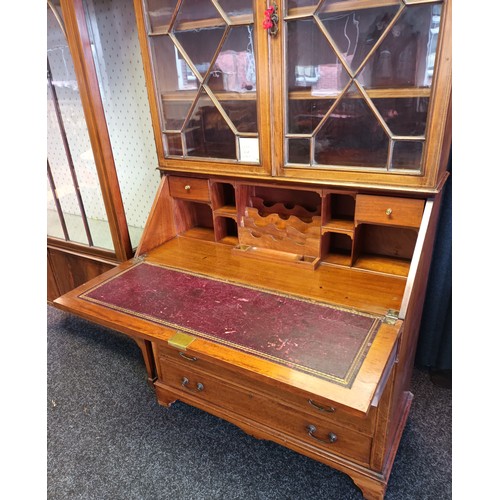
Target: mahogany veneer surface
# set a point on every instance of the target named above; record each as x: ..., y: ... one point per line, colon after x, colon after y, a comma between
x: 316, y: 338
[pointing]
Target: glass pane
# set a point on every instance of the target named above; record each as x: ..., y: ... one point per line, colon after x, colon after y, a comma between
x: 355, y: 32
x: 234, y: 68
x: 352, y: 135
x: 238, y: 10
x: 304, y: 115
x: 202, y: 54
x: 207, y: 132
x: 313, y: 71
x: 54, y: 226
x: 312, y: 63
x: 407, y: 155
x: 301, y: 6
x: 201, y: 46
x: 299, y: 151
x: 69, y: 151
x: 174, y: 144
x: 243, y: 114
x: 196, y: 14
x: 233, y: 79
x: 160, y: 14
x: 113, y: 32
x: 404, y: 116
x: 177, y: 85
x: 406, y: 56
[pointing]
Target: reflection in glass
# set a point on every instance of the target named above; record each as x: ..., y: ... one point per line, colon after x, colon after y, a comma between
x: 209, y: 134
x: 194, y: 11
x: 174, y: 144
x: 175, y: 112
x: 405, y: 58
x: 177, y: 88
x: 312, y: 63
x: 201, y: 46
x: 69, y: 152
x: 313, y: 71
x: 407, y: 155
x: 352, y: 135
x: 117, y: 59
x: 356, y: 32
x: 238, y: 8
x: 160, y: 14
x: 297, y: 4
x: 299, y: 151
x: 242, y: 113
x: 304, y: 115
x: 404, y: 116
x: 234, y: 68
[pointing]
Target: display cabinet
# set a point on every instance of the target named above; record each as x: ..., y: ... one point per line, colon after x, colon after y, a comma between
x: 344, y: 91
x: 280, y: 279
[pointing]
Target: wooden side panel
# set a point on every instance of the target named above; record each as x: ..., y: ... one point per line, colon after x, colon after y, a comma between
x: 160, y: 225
x: 411, y: 328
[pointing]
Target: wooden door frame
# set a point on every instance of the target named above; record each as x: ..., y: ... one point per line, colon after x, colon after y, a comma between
x: 79, y: 45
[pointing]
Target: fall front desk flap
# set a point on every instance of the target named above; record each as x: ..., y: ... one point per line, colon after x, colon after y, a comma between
x: 315, y: 338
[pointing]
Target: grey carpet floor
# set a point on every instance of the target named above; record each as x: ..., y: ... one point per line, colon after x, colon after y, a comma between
x: 107, y: 438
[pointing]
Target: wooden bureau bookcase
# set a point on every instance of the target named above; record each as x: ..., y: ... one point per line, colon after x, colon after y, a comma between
x: 280, y: 279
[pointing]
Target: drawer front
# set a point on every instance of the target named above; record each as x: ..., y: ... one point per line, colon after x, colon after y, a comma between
x: 189, y: 188
x: 202, y: 390
x: 389, y: 210
x: 320, y: 410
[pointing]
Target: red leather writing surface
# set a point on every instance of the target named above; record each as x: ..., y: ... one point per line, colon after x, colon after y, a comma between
x: 319, y: 339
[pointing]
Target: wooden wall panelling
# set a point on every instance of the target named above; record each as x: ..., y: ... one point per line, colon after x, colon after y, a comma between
x: 69, y: 270
x: 52, y: 289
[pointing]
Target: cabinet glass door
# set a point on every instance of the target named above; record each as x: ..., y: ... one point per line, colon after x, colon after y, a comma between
x: 358, y: 79
x: 203, y: 59
x: 75, y: 205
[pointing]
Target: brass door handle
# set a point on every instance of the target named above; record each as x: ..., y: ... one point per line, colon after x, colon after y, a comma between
x: 189, y: 358
x: 326, y: 409
x: 311, y: 429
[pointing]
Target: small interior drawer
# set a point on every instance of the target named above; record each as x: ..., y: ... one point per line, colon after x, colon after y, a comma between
x: 388, y: 210
x: 189, y: 188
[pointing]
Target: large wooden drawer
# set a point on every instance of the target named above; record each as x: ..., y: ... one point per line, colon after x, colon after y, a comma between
x: 388, y: 210
x: 188, y: 188
x: 318, y: 409
x: 202, y: 390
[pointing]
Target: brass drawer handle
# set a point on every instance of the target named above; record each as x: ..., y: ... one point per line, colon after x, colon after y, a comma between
x: 326, y: 409
x: 187, y: 187
x: 388, y: 212
x: 189, y: 358
x: 185, y: 382
x: 311, y: 429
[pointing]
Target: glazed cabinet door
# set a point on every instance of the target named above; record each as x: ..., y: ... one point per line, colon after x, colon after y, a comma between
x: 362, y: 97
x: 205, y: 63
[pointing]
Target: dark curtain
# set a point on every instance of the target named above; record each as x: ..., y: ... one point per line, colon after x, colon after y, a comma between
x: 434, y: 350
